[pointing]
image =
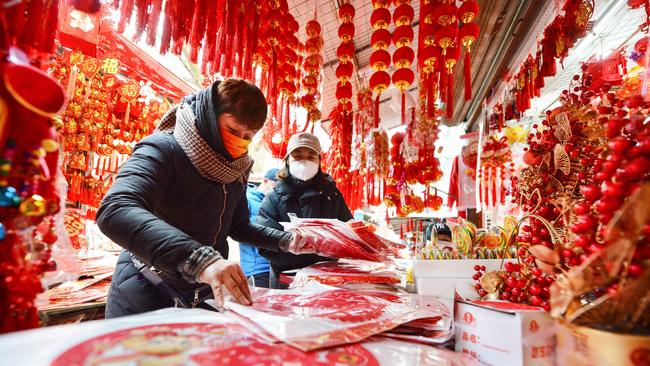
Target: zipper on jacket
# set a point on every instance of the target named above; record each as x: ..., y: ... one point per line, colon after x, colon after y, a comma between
x: 196, y: 298
x: 223, y: 210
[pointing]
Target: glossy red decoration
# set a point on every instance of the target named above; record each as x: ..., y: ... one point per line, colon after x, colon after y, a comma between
x: 445, y: 15
x: 380, y: 4
x: 429, y: 57
x: 343, y: 92
x: 445, y: 37
x: 403, y: 78
x: 345, y: 51
x: 344, y: 71
x: 313, y: 28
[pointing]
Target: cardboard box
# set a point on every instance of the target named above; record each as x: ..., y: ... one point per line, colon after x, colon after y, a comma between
x: 500, y: 333
x: 582, y: 346
x: 444, y: 278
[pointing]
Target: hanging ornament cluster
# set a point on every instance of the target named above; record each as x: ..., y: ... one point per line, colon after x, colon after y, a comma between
x: 403, y: 57
x: 444, y: 29
x: 496, y: 166
x: 345, y: 55
x: 30, y: 26
x: 312, y: 67
x: 30, y: 200
x: 360, y: 171
x: 103, y: 119
x: 380, y: 59
x: 375, y: 147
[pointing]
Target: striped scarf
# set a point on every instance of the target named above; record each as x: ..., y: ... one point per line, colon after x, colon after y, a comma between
x: 180, y: 121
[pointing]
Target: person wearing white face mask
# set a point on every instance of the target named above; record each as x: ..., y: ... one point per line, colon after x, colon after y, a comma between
x: 305, y: 190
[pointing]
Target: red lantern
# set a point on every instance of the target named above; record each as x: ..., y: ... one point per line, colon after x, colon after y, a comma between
x: 403, y: 57
x: 445, y: 37
x: 314, y: 45
x: 403, y: 78
x: 445, y: 15
x: 344, y: 71
x: 428, y: 34
x: 379, y: 81
x: 468, y: 35
x: 346, y: 12
x: 313, y: 29
x: 429, y: 58
x: 403, y: 15
x: 310, y: 84
x: 343, y: 92
x: 380, y: 18
x: 452, y: 57
x: 403, y: 36
x: 468, y: 11
x: 345, y: 52
x: 377, y: 4
x: 380, y: 60
x: 427, y: 9
x: 380, y: 39
x: 346, y: 32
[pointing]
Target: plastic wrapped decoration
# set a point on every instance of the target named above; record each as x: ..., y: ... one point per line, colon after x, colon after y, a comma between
x: 316, y: 317
x: 335, y: 239
x: 204, y: 338
x: 496, y: 162
x: 346, y: 272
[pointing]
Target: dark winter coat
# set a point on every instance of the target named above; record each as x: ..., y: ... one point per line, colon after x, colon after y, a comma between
x: 316, y: 198
x: 161, y: 209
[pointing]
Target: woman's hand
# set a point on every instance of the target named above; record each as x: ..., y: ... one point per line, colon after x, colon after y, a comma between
x: 228, y: 274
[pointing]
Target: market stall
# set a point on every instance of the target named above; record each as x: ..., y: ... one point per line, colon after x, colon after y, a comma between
x: 494, y: 156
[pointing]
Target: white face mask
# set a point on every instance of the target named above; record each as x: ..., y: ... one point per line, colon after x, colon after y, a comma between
x: 303, y: 169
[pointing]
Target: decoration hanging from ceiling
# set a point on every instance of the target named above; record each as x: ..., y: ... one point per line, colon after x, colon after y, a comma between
x: 380, y: 59
x: 313, y: 66
x: 403, y: 57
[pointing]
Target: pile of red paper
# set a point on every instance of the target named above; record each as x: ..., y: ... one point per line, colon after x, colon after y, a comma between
x: 347, y: 272
x: 336, y: 239
x: 318, y: 316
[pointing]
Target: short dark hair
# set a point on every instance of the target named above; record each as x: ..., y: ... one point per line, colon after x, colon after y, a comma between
x: 243, y: 100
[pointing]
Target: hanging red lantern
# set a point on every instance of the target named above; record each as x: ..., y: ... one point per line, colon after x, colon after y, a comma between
x: 379, y: 81
x: 403, y: 57
x: 377, y: 4
x: 468, y: 34
x: 346, y: 13
x: 427, y: 10
x: 345, y: 52
x: 380, y: 39
x: 313, y: 29
x: 468, y: 11
x: 452, y: 57
x: 428, y: 34
x: 445, y: 37
x: 403, y: 36
x: 344, y: 71
x: 314, y: 45
x: 429, y: 58
x: 346, y: 32
x: 380, y: 60
x: 403, y: 15
x: 445, y: 15
x: 310, y: 84
x: 380, y: 18
x: 343, y: 92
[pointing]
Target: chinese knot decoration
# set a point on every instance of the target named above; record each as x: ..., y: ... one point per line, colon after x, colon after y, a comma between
x: 496, y: 162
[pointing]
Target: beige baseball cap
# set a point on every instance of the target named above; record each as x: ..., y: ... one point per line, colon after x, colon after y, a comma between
x: 303, y: 139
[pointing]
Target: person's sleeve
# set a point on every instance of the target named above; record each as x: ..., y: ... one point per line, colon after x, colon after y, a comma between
x: 269, y: 214
x: 344, y: 212
x: 126, y: 216
x: 261, y: 236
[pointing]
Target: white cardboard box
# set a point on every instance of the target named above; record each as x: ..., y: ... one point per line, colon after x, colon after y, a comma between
x: 444, y: 278
x: 505, y: 334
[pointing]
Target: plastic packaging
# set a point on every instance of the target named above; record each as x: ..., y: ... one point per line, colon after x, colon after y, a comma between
x: 318, y: 316
x: 346, y: 272
x: 336, y: 239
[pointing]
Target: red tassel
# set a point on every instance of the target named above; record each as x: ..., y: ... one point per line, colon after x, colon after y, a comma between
x: 240, y: 41
x: 166, y: 38
x: 251, y: 44
x: 35, y: 14
x: 467, y: 75
x: 50, y: 27
x: 377, y: 110
x: 443, y: 84
x: 403, y: 107
x: 140, y: 18
x: 450, y: 95
x: 125, y: 14
x: 198, y: 28
x: 430, y: 96
x: 152, y: 25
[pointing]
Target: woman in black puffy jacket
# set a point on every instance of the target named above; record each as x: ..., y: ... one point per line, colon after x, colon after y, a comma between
x: 178, y: 198
x: 304, y: 190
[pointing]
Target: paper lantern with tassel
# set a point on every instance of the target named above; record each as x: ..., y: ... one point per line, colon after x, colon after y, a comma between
x: 345, y: 52
x: 452, y: 57
x: 468, y: 34
x: 346, y: 32
x: 344, y: 71
x: 346, y: 13
x: 313, y: 29
x: 343, y: 92
x: 445, y: 37
x: 428, y: 34
x: 403, y: 57
x: 402, y: 79
x: 403, y: 15
x: 403, y: 36
x: 445, y: 15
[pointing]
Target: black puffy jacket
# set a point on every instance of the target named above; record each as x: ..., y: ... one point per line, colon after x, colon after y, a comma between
x: 316, y: 198
x: 161, y: 210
